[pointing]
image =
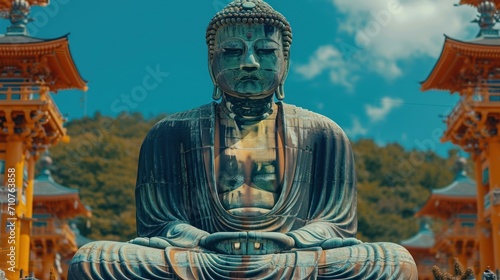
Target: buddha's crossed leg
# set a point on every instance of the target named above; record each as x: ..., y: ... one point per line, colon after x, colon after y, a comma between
x: 110, y: 260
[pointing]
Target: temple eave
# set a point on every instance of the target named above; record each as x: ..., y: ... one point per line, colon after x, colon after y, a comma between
x: 66, y: 70
x: 446, y: 206
x: 25, y: 43
x: 63, y: 206
x: 58, y: 57
x: 453, y: 59
x: 439, y: 74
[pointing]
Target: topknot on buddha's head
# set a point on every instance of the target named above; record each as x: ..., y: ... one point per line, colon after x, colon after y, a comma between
x: 249, y: 12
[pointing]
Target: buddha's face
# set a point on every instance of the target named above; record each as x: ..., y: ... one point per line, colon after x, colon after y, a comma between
x: 248, y: 61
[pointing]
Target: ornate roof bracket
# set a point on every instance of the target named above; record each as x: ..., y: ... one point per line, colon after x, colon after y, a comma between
x: 487, y: 18
x: 19, y: 18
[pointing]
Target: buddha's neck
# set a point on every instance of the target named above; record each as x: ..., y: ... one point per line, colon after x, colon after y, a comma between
x: 247, y: 110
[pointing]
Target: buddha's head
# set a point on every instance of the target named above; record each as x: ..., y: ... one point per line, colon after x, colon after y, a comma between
x: 249, y: 47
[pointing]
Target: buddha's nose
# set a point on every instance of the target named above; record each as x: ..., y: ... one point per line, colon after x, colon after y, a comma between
x: 249, y: 62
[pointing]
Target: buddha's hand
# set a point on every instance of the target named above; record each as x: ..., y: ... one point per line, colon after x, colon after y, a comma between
x: 338, y: 242
x: 153, y: 242
x: 179, y: 235
x: 224, y: 242
x: 247, y: 243
x: 260, y: 243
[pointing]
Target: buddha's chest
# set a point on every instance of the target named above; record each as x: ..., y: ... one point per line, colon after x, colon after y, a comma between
x: 252, y: 165
x: 248, y: 167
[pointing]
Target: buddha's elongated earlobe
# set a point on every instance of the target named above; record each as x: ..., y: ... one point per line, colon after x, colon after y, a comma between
x: 280, y: 92
x: 217, y: 94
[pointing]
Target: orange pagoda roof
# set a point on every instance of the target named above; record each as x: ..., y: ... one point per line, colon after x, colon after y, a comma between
x: 54, y: 53
x: 457, y: 198
x: 454, y: 59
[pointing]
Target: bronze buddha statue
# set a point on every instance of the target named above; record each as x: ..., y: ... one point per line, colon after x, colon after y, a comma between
x: 245, y: 188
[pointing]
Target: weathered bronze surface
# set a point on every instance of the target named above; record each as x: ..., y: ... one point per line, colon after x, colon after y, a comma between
x: 245, y: 188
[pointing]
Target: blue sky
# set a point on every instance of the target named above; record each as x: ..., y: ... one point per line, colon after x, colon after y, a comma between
x: 358, y: 62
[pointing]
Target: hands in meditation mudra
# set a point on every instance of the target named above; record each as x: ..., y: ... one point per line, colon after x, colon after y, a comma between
x: 245, y: 188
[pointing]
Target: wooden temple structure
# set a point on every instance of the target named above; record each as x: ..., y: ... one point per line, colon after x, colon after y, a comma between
x: 471, y: 69
x: 453, y: 207
x: 30, y: 122
x: 54, y: 241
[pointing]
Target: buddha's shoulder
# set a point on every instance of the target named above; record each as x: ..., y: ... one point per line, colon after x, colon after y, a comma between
x: 309, y: 119
x: 191, y: 114
x: 183, y: 119
x: 292, y: 111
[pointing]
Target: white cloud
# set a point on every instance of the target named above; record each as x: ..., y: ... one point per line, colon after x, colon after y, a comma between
x: 356, y: 129
x: 377, y: 114
x: 324, y: 58
x: 330, y: 59
x: 386, y: 32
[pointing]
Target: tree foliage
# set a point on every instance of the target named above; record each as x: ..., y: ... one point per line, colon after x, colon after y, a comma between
x: 101, y: 161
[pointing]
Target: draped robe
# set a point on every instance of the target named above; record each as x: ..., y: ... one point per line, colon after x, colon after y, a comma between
x: 176, y: 180
x: 176, y: 197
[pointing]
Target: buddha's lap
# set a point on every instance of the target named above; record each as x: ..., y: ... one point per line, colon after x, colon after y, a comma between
x: 113, y: 260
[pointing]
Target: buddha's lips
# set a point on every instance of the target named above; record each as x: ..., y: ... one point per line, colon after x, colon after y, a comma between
x: 249, y: 75
x: 249, y: 78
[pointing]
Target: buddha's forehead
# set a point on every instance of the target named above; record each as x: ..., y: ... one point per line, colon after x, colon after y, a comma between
x: 248, y: 32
